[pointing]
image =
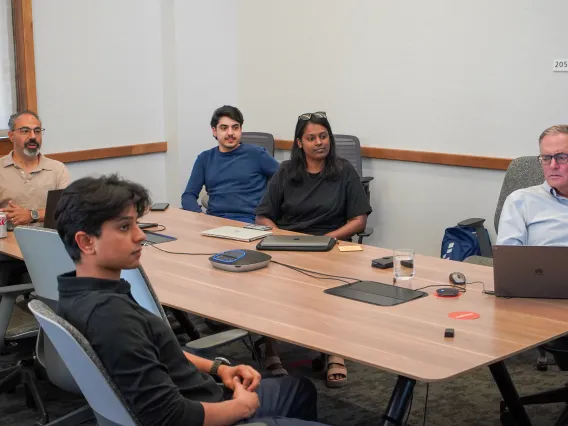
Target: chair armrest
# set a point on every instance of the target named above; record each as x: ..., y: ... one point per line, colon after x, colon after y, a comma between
x: 473, y: 222
x: 367, y: 179
x: 366, y: 233
x: 482, y: 236
x: 16, y: 289
x: 216, y: 340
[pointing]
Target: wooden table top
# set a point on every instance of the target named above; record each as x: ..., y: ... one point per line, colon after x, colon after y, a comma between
x: 9, y: 246
x: 407, y: 339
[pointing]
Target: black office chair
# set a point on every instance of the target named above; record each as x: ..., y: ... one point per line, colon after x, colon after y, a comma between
x: 559, y: 350
x: 265, y: 140
x: 349, y: 148
x: 18, y: 335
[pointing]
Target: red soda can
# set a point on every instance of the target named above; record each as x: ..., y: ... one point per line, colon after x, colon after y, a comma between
x: 3, y: 225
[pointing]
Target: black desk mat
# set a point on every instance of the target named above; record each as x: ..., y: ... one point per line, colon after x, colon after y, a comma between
x: 376, y: 293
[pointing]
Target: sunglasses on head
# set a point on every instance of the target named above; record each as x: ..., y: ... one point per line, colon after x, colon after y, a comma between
x: 309, y: 115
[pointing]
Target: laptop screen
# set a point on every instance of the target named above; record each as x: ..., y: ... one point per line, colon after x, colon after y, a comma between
x: 52, y: 200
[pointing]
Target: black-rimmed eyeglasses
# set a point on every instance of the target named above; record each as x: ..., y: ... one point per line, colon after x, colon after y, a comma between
x: 560, y: 158
x: 28, y: 130
x: 309, y: 115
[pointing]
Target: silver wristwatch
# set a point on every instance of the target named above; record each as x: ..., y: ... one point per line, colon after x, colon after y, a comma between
x: 35, y: 215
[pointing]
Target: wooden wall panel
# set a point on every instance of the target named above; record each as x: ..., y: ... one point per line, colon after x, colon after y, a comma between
x: 99, y: 153
x: 461, y: 160
x: 25, y: 59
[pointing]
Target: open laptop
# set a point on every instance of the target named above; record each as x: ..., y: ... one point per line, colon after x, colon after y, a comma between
x: 530, y: 271
x: 297, y: 243
x: 52, y: 200
x: 236, y: 233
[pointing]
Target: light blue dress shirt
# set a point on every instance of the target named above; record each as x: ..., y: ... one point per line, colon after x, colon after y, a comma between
x: 535, y: 216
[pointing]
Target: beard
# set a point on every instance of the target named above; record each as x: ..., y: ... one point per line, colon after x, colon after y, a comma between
x: 31, y: 152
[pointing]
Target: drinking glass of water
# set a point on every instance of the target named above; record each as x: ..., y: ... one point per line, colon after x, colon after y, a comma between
x: 403, y: 260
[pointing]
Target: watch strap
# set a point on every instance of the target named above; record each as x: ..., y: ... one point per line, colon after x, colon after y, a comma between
x: 215, y: 367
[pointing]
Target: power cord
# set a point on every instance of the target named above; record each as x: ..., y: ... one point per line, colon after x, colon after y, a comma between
x: 488, y: 292
x: 323, y: 276
x: 151, y: 228
x: 409, y: 408
x: 145, y: 243
x: 426, y: 404
x: 459, y: 287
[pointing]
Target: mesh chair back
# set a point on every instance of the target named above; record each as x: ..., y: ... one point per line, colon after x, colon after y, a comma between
x: 265, y: 140
x: 523, y: 172
x: 143, y: 292
x: 349, y: 148
x: 46, y: 258
x: 99, y: 390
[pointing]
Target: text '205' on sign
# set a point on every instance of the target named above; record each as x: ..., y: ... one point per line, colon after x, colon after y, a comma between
x: 560, y: 65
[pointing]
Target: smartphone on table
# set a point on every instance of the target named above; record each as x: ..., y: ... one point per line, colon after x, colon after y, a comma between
x: 159, y: 207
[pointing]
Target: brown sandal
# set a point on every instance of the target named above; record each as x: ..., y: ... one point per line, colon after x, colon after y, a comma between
x: 336, y: 367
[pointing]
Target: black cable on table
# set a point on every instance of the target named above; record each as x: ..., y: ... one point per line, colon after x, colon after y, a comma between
x: 179, y: 252
x: 323, y: 276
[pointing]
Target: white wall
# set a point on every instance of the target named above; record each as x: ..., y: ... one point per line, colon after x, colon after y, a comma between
x: 8, y: 68
x: 120, y: 72
x: 204, y: 72
x: 148, y: 170
x: 426, y: 76
x: 460, y: 77
x: 99, y: 82
x: 446, y: 76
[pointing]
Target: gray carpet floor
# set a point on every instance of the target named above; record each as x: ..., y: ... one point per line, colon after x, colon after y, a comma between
x: 470, y: 399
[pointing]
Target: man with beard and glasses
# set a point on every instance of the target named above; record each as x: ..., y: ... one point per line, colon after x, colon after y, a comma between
x: 234, y: 174
x: 25, y: 174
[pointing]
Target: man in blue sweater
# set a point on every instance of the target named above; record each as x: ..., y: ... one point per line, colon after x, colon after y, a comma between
x: 234, y: 174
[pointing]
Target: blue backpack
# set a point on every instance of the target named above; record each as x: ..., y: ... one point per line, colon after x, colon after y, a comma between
x: 460, y: 242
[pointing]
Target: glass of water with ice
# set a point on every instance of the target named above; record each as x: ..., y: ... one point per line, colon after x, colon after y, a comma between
x: 403, y: 260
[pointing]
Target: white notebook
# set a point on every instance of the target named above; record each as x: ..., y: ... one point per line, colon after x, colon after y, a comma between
x: 236, y: 233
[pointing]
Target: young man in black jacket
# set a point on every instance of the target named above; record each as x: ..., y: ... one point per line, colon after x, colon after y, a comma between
x: 96, y: 219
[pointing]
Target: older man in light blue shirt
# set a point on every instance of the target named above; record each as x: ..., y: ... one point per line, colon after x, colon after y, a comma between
x: 538, y: 216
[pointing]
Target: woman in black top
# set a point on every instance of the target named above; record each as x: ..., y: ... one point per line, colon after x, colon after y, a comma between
x: 315, y: 192
x: 318, y: 193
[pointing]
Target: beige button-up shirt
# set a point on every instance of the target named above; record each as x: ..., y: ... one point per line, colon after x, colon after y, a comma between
x: 29, y: 190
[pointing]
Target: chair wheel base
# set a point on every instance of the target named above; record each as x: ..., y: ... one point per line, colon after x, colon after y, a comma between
x: 504, y: 415
x: 507, y: 419
x: 542, y: 364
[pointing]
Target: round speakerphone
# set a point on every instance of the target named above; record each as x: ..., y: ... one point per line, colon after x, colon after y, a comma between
x: 240, y: 260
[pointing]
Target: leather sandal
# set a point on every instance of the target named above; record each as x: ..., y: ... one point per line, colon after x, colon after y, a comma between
x: 336, y: 366
x: 271, y: 364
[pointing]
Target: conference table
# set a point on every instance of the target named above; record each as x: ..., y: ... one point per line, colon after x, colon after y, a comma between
x: 406, y: 339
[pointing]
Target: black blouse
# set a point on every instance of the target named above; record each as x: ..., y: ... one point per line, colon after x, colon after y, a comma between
x: 315, y: 205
